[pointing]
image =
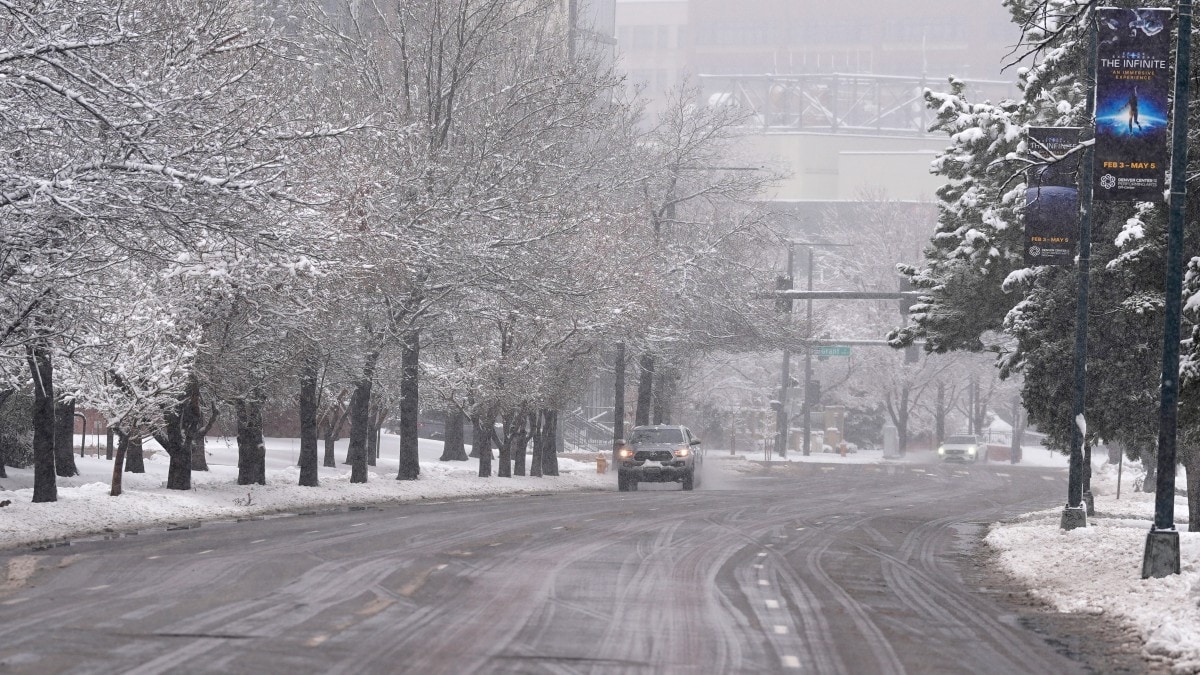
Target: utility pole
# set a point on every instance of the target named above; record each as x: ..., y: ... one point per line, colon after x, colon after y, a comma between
x: 808, y: 326
x: 1161, y: 557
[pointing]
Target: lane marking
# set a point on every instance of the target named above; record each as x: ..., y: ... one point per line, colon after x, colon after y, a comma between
x: 560, y: 527
x: 14, y: 601
x: 258, y: 541
x: 1047, y: 477
x: 358, y: 525
x: 781, y: 630
x: 790, y: 661
x: 96, y: 588
x: 772, y: 604
x: 203, y: 552
x: 1003, y: 475
x: 312, y: 532
x: 497, y: 543
x: 153, y: 557
x: 762, y: 554
x: 799, y: 528
x: 441, y: 567
x: 758, y: 567
x: 763, y: 582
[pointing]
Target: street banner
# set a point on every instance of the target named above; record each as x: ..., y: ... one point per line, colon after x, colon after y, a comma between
x: 1133, y: 84
x: 1052, y: 196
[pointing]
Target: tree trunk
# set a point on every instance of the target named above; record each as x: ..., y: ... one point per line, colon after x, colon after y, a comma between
x: 410, y: 353
x: 453, y: 449
x: 360, y: 401
x: 1150, y: 464
x: 135, y: 460
x: 641, y: 416
x: 308, y: 424
x: 549, y: 443
x: 178, y: 427
x: 481, y: 442
x: 374, y: 424
x: 252, y: 454
x: 196, y: 446
x: 45, y: 487
x: 1191, y: 466
x: 330, y: 457
x: 664, y: 393
x: 4, y: 453
x: 122, y: 448
x: 517, y: 436
x: 618, y: 402
x: 64, y: 439
x: 505, y: 446
x: 1018, y: 432
x: 535, y: 462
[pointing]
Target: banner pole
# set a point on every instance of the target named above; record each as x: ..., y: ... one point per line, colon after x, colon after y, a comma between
x: 1161, y: 557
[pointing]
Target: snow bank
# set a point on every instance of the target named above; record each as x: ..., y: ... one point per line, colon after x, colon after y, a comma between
x: 85, y: 507
x: 1097, y: 569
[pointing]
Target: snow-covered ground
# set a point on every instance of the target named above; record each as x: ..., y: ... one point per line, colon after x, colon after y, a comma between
x: 84, y: 506
x: 1095, y: 569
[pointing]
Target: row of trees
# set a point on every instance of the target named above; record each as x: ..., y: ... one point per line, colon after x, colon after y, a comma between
x: 354, y: 208
x: 981, y: 297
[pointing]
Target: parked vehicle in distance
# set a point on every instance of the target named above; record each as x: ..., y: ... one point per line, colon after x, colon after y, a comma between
x: 961, y: 449
x: 661, y: 453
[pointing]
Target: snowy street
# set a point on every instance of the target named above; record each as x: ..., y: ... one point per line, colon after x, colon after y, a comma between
x: 849, y: 568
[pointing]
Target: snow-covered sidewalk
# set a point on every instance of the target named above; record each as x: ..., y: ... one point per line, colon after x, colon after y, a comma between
x: 84, y: 506
x: 1097, y: 569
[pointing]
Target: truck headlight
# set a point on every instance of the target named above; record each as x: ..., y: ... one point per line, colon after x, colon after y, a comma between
x: 625, y: 453
x: 941, y: 449
x: 682, y: 452
x: 971, y: 450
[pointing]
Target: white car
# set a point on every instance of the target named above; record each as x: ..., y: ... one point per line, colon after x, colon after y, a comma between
x: 962, y: 449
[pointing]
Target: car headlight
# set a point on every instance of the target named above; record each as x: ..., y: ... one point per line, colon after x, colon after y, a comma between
x: 625, y: 453
x: 682, y: 452
x: 971, y: 450
x: 941, y: 449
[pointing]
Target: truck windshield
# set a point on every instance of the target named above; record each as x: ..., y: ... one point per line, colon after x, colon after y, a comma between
x: 644, y: 436
x: 968, y: 440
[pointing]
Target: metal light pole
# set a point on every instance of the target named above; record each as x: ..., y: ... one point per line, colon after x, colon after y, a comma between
x: 1075, y: 513
x: 808, y: 326
x: 782, y: 416
x: 1161, y: 557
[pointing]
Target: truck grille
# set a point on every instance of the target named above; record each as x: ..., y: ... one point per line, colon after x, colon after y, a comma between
x: 653, y: 455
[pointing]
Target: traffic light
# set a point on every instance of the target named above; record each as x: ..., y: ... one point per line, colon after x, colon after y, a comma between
x: 783, y: 305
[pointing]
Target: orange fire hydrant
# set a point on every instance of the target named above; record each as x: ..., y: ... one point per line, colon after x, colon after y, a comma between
x: 602, y: 462
x: 843, y: 448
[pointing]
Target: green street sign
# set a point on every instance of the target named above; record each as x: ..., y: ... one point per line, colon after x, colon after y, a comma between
x: 832, y: 350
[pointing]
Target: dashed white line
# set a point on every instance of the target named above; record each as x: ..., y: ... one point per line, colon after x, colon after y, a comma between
x: 96, y: 588
x: 799, y: 528
x: 258, y: 541
x: 560, y: 527
x: 772, y: 604
x: 1003, y: 475
x: 441, y: 567
x: 790, y: 661
x: 762, y: 554
x: 781, y: 630
x: 358, y: 525
x: 153, y: 557
x: 312, y: 532
x: 203, y: 552
x: 14, y: 601
x: 1047, y: 477
x: 763, y: 582
x: 758, y: 567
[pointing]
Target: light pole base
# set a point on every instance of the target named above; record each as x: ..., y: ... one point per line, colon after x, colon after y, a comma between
x: 1089, y: 502
x: 1162, y: 554
x: 1073, y: 517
